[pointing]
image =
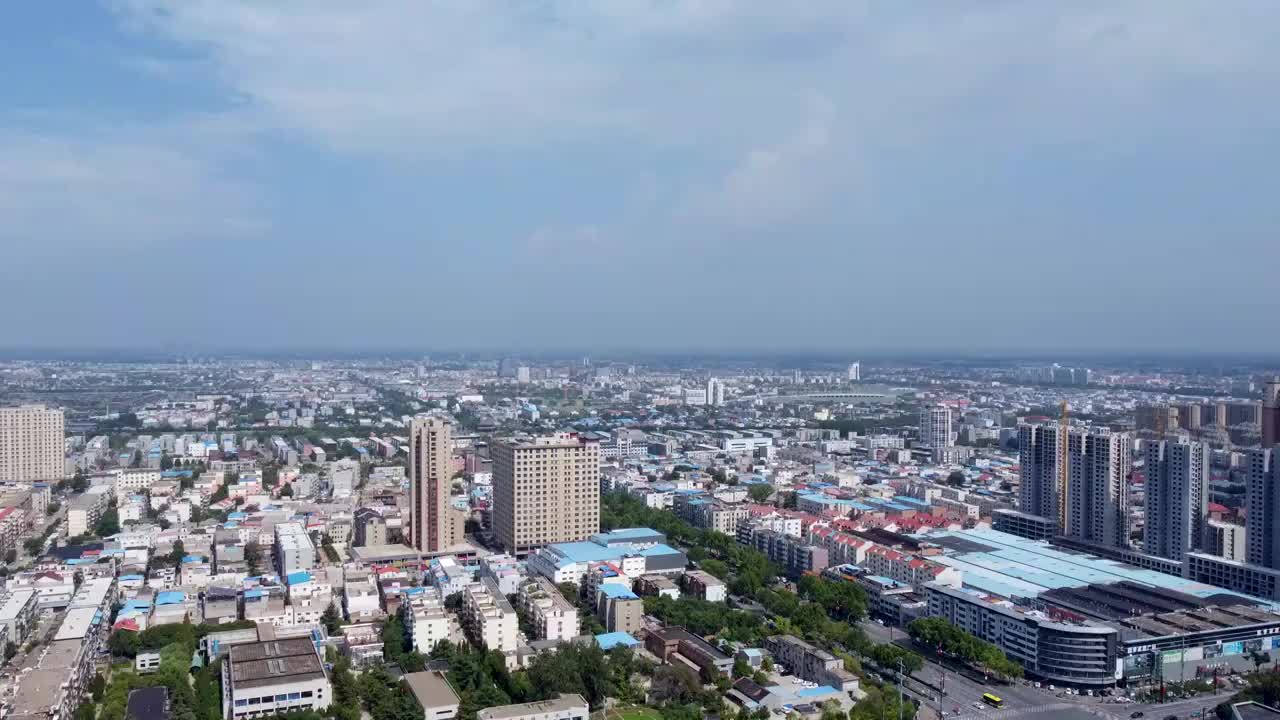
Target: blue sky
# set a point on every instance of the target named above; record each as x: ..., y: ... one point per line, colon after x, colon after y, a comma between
x: 648, y: 174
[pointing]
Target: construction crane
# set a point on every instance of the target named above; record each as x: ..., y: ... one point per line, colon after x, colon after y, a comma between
x: 1064, y: 474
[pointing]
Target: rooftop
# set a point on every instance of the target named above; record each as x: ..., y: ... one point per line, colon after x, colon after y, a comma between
x: 275, y: 661
x: 431, y: 690
x: 563, y: 703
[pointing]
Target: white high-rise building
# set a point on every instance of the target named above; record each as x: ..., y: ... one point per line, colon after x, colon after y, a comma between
x: 935, y: 426
x: 715, y: 392
x: 1177, y: 500
x: 1262, y: 501
x: 1097, y: 467
x: 855, y: 372
x: 31, y: 444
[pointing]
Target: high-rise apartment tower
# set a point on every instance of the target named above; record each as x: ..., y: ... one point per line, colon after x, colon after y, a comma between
x: 435, y: 525
x: 545, y: 490
x: 1177, y: 501
x: 31, y: 444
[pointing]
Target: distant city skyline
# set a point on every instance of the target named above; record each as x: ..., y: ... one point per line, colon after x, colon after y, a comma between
x: 960, y: 178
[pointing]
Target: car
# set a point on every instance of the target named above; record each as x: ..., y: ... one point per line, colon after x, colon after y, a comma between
x: 1037, y: 683
x: 1137, y: 714
x: 1170, y: 717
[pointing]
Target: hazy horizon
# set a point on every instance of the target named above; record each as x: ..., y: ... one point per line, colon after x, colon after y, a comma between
x: 836, y: 176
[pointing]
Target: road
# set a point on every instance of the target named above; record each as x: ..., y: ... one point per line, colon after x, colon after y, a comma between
x: 962, y: 699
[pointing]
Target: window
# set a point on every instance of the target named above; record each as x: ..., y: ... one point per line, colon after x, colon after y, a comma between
x: 306, y: 693
x: 242, y: 703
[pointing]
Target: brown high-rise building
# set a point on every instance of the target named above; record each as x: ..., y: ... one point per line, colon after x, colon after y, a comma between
x: 31, y: 444
x: 1271, y: 413
x: 434, y: 526
x: 545, y: 490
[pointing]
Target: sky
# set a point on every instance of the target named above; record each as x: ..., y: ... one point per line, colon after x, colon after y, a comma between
x: 658, y: 175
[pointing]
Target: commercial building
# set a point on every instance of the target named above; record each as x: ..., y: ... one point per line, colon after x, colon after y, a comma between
x: 569, y: 562
x: 1032, y: 527
x: 810, y: 663
x: 552, y: 617
x: 1255, y: 580
x: 1073, y: 618
x: 434, y: 525
x: 564, y: 707
x: 1177, y: 502
x: 31, y: 444
x: 434, y: 694
x: 935, y: 426
x: 545, y: 490
x: 274, y: 677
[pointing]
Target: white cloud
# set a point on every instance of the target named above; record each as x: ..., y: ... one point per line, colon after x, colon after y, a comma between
x: 113, y: 190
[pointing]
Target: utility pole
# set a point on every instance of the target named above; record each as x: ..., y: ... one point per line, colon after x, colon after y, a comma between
x: 900, y: 681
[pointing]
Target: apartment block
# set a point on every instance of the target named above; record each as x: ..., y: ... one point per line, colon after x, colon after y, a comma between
x: 31, y: 444
x: 434, y: 525
x: 489, y: 617
x: 545, y: 490
x: 810, y: 663
x: 425, y: 620
x: 1177, y: 489
x: 553, y: 617
x: 1262, y: 502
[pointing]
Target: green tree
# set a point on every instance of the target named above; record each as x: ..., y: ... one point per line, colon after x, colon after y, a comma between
x: 108, y: 524
x: 759, y: 492
x: 331, y: 620
x: 97, y: 686
x: 287, y: 490
x: 253, y: 558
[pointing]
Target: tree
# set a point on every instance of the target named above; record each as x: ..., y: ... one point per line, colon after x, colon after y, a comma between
x: 253, y: 558
x: 97, y: 686
x: 955, y: 479
x: 108, y: 524
x: 33, y: 546
x: 332, y: 620
x: 287, y: 490
x: 166, y: 462
x: 716, y: 568
x: 53, y: 507
x: 10, y: 556
x: 178, y: 552
x: 759, y: 492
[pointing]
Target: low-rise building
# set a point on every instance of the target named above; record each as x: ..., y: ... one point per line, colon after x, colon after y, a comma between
x: 434, y: 694
x: 489, y: 617
x: 619, y: 609
x: 564, y: 707
x: 810, y: 663
x: 657, y: 586
x: 17, y: 610
x: 677, y: 645
x: 274, y: 677
x: 705, y: 586
x: 552, y: 616
x: 425, y: 620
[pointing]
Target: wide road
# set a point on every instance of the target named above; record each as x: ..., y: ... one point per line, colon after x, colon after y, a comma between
x: 962, y: 698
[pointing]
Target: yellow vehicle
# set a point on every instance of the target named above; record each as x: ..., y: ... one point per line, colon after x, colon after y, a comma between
x: 992, y: 700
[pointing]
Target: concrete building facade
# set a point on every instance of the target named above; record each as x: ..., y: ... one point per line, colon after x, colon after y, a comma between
x: 1177, y: 500
x: 434, y: 526
x: 545, y: 490
x: 31, y: 443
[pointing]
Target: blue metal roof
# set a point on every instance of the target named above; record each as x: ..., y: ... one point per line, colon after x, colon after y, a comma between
x: 297, y: 577
x: 615, y: 591
x: 171, y: 597
x: 609, y: 641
